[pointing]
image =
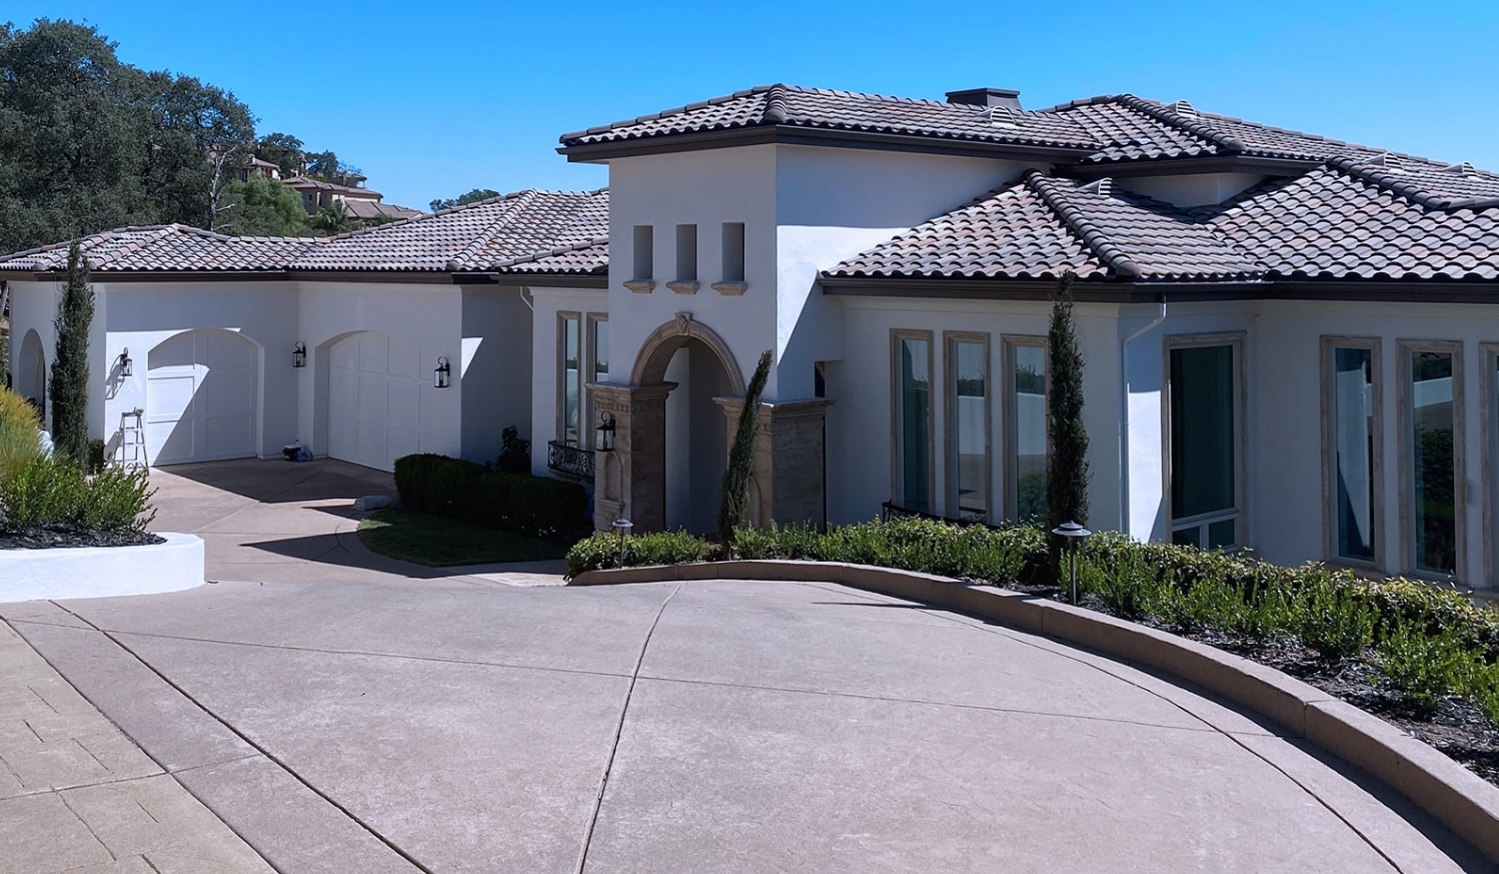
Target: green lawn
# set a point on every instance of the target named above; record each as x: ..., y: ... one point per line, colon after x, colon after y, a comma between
x: 437, y: 541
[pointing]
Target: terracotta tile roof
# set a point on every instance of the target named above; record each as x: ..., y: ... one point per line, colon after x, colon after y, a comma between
x: 553, y: 232
x: 303, y: 183
x: 165, y: 248
x: 472, y: 237
x: 1042, y: 227
x: 367, y: 210
x: 792, y: 106
x: 1344, y: 221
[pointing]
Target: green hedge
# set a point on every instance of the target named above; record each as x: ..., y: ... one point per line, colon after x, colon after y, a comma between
x: 530, y: 505
x: 1428, y: 641
x: 52, y: 493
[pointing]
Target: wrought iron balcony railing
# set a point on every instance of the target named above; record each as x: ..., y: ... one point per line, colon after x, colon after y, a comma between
x: 570, y: 460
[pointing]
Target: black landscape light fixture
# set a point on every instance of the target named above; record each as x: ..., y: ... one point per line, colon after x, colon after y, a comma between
x: 604, y: 434
x: 299, y: 354
x: 443, y: 374
x: 623, y: 526
x: 127, y: 367
x: 1075, y: 535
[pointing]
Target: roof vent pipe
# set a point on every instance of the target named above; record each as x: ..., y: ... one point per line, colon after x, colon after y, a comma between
x: 986, y: 97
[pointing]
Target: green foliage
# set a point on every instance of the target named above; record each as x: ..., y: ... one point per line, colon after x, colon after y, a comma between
x: 1337, y: 620
x: 1422, y: 665
x: 283, y: 150
x: 1067, y: 459
x: 262, y: 207
x: 89, y: 143
x: 70, y: 376
x: 602, y: 550
x: 530, y: 505
x: 52, y: 493
x: 331, y: 219
x: 18, y: 433
x: 736, y: 476
x: 95, y: 455
x: 472, y: 196
x: 515, y: 452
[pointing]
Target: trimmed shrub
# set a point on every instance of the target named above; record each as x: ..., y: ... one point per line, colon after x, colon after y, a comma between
x: 1425, y: 667
x: 52, y: 493
x: 602, y: 550
x: 524, y: 504
x: 95, y: 455
x: 18, y: 433
x: 118, y: 500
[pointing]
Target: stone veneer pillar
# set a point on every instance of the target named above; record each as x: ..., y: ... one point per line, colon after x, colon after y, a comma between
x: 630, y: 481
x: 787, y: 482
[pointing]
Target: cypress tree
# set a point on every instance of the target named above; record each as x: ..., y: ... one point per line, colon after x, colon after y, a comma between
x: 742, y: 457
x: 1067, y: 463
x: 70, y: 375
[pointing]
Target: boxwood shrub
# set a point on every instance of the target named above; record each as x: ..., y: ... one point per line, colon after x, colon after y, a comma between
x: 530, y: 505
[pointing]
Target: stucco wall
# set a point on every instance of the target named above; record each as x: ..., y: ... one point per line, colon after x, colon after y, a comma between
x: 495, y: 368
x: 544, y: 357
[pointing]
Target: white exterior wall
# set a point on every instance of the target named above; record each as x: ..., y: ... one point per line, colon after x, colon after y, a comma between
x: 859, y: 424
x: 495, y: 369
x: 549, y: 302
x: 707, y: 189
x: 832, y: 204
x: 33, y: 306
x: 1286, y: 452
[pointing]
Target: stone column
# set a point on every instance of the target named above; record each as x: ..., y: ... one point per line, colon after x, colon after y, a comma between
x: 787, y: 481
x: 630, y: 482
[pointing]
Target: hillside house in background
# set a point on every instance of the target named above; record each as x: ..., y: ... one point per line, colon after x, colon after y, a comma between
x: 1292, y: 343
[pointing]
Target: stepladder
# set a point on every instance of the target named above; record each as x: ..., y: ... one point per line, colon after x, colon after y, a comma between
x: 132, y: 451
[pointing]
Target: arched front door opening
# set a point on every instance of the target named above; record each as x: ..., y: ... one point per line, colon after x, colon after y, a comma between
x: 31, y: 371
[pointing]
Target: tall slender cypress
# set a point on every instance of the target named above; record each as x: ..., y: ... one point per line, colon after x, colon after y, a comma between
x: 742, y: 457
x: 1067, y: 462
x: 70, y: 377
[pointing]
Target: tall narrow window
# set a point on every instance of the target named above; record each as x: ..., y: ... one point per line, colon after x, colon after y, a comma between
x: 1491, y: 449
x: 1431, y: 389
x: 968, y: 427
x: 733, y: 251
x: 645, y: 246
x: 1205, y: 450
x: 569, y: 383
x: 686, y: 253
x: 1352, y: 452
x: 598, y: 369
x: 1025, y: 431
x: 913, y: 421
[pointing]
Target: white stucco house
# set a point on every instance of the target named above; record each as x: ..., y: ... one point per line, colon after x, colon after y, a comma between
x: 1292, y: 343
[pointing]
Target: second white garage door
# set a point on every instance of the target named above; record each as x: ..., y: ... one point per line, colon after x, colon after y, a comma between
x: 200, y: 398
x: 374, y: 399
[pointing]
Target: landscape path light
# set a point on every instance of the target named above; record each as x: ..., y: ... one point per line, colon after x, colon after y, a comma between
x: 1075, y: 535
x: 623, y: 526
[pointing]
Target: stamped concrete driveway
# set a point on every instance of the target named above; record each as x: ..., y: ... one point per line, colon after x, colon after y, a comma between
x: 346, y: 719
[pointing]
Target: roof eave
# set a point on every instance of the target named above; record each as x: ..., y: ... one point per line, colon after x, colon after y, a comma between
x: 805, y: 136
x: 1187, y: 166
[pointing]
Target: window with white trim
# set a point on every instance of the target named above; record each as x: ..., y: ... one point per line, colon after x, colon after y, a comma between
x: 1351, y: 434
x: 911, y: 419
x: 1431, y: 456
x: 1206, y: 435
x: 1026, y: 442
x: 968, y: 468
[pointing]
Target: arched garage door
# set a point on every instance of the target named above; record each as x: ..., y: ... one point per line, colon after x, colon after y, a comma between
x: 200, y: 398
x: 374, y: 399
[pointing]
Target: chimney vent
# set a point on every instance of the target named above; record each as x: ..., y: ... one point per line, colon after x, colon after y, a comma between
x: 986, y: 97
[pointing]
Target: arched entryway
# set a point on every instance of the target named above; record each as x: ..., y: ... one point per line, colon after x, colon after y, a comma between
x: 201, y: 390
x: 31, y: 370
x: 672, y: 444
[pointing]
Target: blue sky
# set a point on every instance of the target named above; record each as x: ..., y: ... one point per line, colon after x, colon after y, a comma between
x: 432, y: 99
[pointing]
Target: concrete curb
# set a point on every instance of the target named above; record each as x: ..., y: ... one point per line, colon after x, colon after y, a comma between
x: 101, y: 571
x: 1459, y: 799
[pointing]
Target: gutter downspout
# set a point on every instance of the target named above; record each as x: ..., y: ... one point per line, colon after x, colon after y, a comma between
x: 1124, y: 413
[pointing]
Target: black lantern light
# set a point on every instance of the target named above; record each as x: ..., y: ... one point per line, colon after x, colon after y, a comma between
x: 127, y: 367
x: 604, y: 434
x: 443, y: 374
x: 299, y: 354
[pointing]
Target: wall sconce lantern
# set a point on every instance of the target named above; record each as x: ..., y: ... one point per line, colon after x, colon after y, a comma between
x: 299, y: 354
x: 604, y: 439
x: 443, y: 373
x: 127, y: 367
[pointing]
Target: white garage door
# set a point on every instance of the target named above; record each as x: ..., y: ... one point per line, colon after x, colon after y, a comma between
x: 200, y: 398
x: 374, y: 399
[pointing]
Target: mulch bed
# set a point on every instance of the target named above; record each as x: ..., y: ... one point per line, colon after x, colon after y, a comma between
x: 1454, y: 727
x: 55, y: 538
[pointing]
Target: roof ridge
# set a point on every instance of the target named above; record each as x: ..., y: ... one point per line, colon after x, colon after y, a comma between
x: 1351, y: 166
x: 555, y: 250
x: 775, y: 105
x: 1049, y: 190
x: 676, y: 110
x: 1097, y: 100
x: 482, y: 239
x: 1195, y: 127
